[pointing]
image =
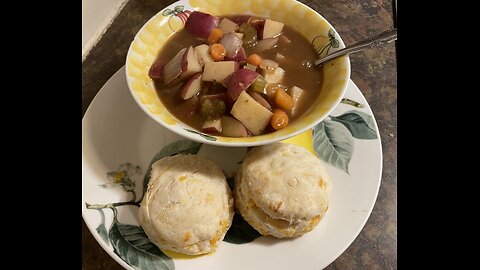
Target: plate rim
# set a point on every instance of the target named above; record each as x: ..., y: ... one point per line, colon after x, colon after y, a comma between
x: 118, y: 75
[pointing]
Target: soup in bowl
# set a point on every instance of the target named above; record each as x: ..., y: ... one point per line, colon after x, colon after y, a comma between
x: 239, y: 73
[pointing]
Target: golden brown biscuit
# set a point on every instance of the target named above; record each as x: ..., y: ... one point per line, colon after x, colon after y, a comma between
x: 282, y: 190
x: 188, y: 206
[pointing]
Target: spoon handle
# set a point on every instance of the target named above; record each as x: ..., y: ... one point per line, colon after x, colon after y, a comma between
x: 383, y: 38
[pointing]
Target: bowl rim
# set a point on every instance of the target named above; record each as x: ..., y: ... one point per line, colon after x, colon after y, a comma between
x: 198, y: 136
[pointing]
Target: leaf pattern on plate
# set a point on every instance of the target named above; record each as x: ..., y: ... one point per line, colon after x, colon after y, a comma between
x: 101, y: 229
x: 205, y: 136
x: 333, y: 144
x: 130, y: 242
x: 240, y: 232
x: 133, y: 246
x: 360, y: 124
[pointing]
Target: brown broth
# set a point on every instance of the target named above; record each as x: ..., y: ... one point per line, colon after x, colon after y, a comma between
x: 297, y: 74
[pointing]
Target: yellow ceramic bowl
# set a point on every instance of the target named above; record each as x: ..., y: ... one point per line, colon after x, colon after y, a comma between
x: 153, y: 35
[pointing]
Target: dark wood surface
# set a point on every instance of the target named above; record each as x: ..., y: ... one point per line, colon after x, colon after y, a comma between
x: 374, y: 71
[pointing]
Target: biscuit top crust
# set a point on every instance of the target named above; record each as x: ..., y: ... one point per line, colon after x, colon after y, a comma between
x: 286, y: 181
x: 187, y: 201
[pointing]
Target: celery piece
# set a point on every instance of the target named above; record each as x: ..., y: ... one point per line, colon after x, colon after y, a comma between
x: 259, y: 85
x: 251, y: 67
x: 250, y: 34
x: 212, y: 108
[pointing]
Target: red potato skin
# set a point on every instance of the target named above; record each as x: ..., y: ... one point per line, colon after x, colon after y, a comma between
x: 156, y: 71
x: 213, y: 127
x: 231, y: 127
x: 201, y: 24
x: 260, y: 100
x: 211, y: 130
x: 186, y: 90
x: 239, y: 81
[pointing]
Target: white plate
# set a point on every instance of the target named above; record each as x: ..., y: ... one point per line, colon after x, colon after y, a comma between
x: 115, y: 131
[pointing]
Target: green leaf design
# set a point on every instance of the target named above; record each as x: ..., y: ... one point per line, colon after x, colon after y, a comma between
x: 331, y: 34
x: 101, y: 229
x: 335, y: 43
x: 133, y: 246
x: 205, y: 136
x: 178, y: 9
x: 177, y: 147
x: 333, y: 144
x: 240, y: 232
x: 167, y: 12
x: 231, y: 181
x: 360, y: 124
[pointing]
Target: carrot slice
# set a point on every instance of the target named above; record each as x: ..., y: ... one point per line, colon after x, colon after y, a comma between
x: 215, y: 35
x: 254, y: 59
x: 218, y: 52
x: 279, y: 119
x: 283, y: 100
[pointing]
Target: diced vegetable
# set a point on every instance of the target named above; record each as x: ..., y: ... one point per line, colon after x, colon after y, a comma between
x: 212, y: 108
x: 173, y: 69
x: 213, y: 126
x: 250, y: 66
x: 156, y: 70
x: 240, y: 81
x: 259, y: 85
x: 297, y: 94
x: 240, y: 35
x: 265, y: 44
x: 215, y: 36
x: 268, y: 65
x: 250, y: 35
x: 239, y: 57
x: 272, y: 29
x: 279, y: 57
x: 203, y: 54
x: 283, y: 100
x: 218, y: 71
x: 190, y: 64
x: 231, y: 127
x: 227, y: 26
x: 217, y: 51
x: 232, y: 44
x: 274, y: 77
x: 192, y: 86
x: 272, y: 88
x: 201, y: 24
x: 254, y: 59
x: 260, y: 99
x: 279, y: 119
x: 258, y: 24
x: 252, y: 114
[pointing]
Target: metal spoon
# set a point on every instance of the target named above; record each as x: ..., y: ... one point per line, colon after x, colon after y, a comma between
x: 383, y: 38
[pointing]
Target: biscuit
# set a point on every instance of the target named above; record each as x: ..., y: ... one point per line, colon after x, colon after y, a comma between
x: 188, y: 206
x: 282, y: 190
